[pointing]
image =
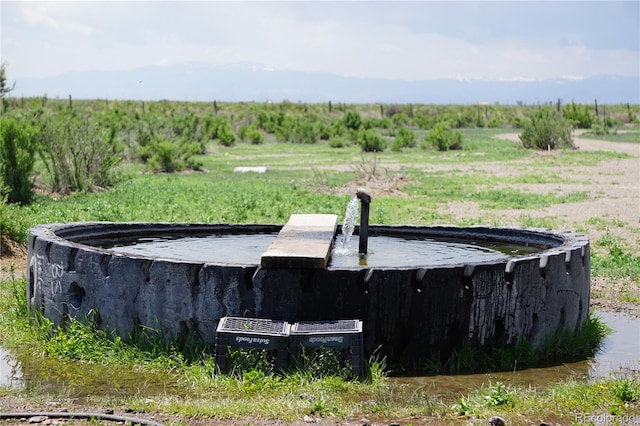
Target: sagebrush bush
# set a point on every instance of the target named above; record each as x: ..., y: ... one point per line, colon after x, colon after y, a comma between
x: 370, y: 141
x: 303, y: 132
x: 225, y: 134
x: 337, y: 142
x: 255, y: 136
x: 579, y: 115
x: 352, y: 120
x: 17, y: 158
x: 405, y: 138
x: 443, y: 138
x: 546, y: 129
x: 78, y: 153
x: 164, y: 155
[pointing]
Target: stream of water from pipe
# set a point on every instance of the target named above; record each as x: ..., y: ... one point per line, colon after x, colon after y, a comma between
x: 348, y: 226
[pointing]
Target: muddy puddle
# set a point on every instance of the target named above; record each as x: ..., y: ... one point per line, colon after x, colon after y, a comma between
x: 619, y: 352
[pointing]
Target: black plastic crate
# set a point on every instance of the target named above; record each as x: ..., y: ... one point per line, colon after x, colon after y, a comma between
x: 345, y: 335
x: 267, y: 335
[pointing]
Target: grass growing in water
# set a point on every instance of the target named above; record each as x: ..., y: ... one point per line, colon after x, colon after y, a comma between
x: 192, y: 387
x: 563, y: 346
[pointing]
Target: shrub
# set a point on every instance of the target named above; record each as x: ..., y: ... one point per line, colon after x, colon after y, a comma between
x: 399, y: 119
x: 225, y: 134
x: 405, y: 138
x: 255, y: 136
x: 598, y: 129
x: 337, y: 129
x: 250, y: 133
x: 494, y: 122
x: 352, y: 120
x: 17, y: 157
x: 337, y: 142
x: 371, y: 141
x: 546, y: 129
x: 78, y: 153
x: 303, y: 132
x: 322, y: 130
x: 169, y: 155
x: 425, y: 121
x: 443, y: 138
x: 611, y: 123
x: 579, y: 116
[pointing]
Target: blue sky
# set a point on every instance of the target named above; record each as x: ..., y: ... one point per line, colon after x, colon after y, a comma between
x: 490, y: 40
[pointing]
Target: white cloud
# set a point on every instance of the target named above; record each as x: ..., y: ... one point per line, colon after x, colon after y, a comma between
x: 38, y: 16
x: 44, y: 15
x: 345, y: 38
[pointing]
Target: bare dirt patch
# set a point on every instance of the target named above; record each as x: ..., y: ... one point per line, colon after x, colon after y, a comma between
x: 613, y: 209
x: 613, y: 188
x: 12, y: 255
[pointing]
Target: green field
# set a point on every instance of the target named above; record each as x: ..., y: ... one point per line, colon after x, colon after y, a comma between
x: 170, y: 162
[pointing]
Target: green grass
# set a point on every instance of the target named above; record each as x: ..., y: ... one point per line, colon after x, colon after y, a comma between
x: 304, y: 179
x: 573, y: 401
x: 631, y: 136
x: 80, y: 354
x: 562, y: 346
x: 619, y: 263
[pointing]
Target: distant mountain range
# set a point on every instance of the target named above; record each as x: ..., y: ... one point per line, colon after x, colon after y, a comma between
x: 242, y: 82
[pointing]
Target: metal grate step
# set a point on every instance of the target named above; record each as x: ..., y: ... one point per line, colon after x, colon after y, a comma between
x: 345, y: 326
x: 253, y: 326
x: 338, y: 334
x: 253, y: 333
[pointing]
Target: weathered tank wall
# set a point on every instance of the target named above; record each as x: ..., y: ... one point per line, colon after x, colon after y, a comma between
x: 407, y: 312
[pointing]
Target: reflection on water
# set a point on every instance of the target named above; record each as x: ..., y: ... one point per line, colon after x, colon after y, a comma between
x: 10, y: 370
x: 78, y: 379
x: 247, y: 249
x: 620, y: 350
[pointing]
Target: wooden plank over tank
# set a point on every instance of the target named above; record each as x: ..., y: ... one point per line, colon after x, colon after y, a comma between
x: 304, y: 242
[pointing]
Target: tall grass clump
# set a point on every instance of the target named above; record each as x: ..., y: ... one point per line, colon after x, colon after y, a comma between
x: 563, y: 345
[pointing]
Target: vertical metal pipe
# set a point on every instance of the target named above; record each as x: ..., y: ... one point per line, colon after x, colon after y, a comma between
x: 365, y: 201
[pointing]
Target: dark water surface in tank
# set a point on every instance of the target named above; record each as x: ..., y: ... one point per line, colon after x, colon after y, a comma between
x: 246, y: 249
x: 619, y: 352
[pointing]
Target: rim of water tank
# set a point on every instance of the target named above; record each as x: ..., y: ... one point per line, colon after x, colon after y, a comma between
x: 73, y: 233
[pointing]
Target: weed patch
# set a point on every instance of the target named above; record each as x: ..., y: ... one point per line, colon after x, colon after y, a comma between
x: 619, y: 262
